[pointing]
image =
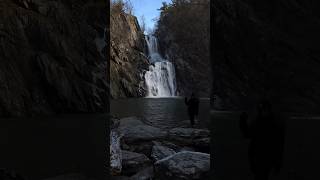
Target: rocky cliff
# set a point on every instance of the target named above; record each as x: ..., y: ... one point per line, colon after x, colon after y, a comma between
x: 266, y: 49
x: 184, y: 36
x: 127, y: 57
x: 52, y: 57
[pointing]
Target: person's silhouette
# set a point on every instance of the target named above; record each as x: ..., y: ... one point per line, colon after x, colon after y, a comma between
x: 266, y: 146
x: 193, y: 107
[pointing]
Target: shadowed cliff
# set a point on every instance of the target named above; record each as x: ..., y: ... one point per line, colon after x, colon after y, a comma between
x: 53, y: 57
x: 267, y: 48
x: 183, y: 31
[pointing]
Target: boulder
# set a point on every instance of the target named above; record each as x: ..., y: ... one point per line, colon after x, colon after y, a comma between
x: 187, y: 136
x: 168, y: 144
x: 145, y: 174
x: 133, y: 162
x: 115, y: 153
x: 183, y: 165
x: 159, y: 152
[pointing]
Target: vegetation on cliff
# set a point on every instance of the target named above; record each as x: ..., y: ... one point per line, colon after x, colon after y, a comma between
x: 183, y: 31
x: 127, y: 52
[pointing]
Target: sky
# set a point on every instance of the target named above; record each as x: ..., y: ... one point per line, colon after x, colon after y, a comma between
x: 148, y: 8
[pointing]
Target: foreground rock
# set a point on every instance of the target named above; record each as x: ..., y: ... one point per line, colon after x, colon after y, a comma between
x: 133, y: 162
x: 159, y: 152
x: 138, y: 136
x: 183, y: 165
x: 145, y: 174
x: 190, y: 137
x: 115, y: 153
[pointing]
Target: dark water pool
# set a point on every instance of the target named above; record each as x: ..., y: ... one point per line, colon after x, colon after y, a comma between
x: 160, y: 112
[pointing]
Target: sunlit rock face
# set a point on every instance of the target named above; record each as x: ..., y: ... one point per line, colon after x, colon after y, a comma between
x: 128, y: 60
x: 266, y: 48
x: 52, y: 57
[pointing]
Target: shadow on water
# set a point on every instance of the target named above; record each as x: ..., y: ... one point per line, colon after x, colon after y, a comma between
x: 161, y: 112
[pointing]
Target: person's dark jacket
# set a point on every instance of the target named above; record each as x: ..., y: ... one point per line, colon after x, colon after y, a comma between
x: 193, y: 105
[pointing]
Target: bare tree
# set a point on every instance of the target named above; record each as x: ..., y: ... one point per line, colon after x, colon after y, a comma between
x: 121, y: 6
x: 143, y: 23
x: 128, y: 7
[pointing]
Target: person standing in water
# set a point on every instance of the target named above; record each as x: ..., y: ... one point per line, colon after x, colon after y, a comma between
x: 193, y: 107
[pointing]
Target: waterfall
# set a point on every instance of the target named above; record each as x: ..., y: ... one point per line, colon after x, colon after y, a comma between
x: 161, y: 77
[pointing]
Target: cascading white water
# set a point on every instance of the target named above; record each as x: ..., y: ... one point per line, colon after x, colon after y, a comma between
x: 161, y: 77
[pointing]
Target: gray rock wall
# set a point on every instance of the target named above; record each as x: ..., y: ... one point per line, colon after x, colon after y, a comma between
x: 267, y: 48
x: 52, y: 57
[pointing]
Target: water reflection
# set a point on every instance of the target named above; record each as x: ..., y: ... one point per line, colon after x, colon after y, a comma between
x: 160, y: 112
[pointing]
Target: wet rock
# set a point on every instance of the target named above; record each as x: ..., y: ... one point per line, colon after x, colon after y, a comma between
x: 145, y: 174
x: 183, y: 165
x: 169, y: 145
x: 133, y: 162
x: 115, y: 153
x: 187, y: 136
x: 144, y: 147
x: 159, y: 152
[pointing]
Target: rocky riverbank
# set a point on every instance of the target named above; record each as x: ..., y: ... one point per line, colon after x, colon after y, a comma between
x: 141, y: 151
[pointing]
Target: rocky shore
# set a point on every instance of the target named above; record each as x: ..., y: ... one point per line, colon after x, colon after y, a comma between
x: 141, y: 151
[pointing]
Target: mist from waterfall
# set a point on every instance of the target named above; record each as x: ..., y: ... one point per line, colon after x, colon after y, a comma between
x: 161, y: 77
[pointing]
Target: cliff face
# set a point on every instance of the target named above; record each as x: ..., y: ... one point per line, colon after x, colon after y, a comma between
x: 128, y: 61
x: 184, y: 37
x: 52, y: 57
x: 266, y: 48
